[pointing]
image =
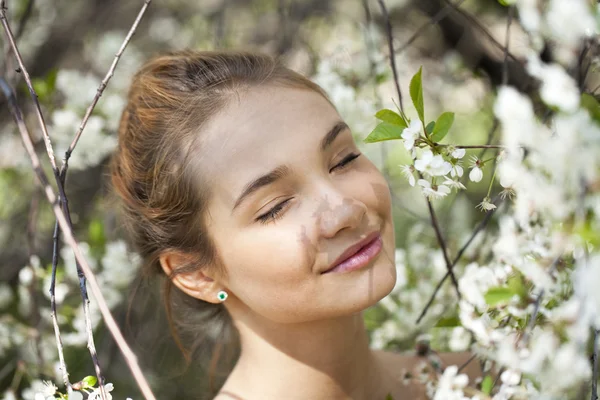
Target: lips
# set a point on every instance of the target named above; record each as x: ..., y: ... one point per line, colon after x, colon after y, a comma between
x: 352, y: 250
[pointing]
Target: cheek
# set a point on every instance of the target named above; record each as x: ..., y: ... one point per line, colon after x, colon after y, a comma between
x: 264, y: 268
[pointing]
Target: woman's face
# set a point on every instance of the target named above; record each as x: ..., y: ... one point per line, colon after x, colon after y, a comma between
x: 275, y: 263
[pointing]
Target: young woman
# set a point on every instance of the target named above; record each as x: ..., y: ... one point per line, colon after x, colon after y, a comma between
x: 243, y: 186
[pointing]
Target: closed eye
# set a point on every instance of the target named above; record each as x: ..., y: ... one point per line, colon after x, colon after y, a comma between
x: 277, y: 211
x: 346, y: 161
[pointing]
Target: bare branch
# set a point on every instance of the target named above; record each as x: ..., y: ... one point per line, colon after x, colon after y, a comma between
x: 38, y: 110
x: 442, y: 243
x: 477, y: 229
x: 104, y: 82
x: 433, y: 21
x: 595, y: 367
x: 390, y: 40
x: 511, y: 10
x: 111, y: 324
x: 61, y: 357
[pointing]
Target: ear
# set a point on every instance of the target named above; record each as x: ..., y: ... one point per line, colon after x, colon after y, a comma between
x: 196, y: 283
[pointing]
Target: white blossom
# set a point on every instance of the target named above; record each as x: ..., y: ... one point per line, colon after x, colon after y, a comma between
x: 435, y: 191
x: 486, y: 204
x: 408, y: 172
x: 451, y: 385
x: 476, y: 174
x: 458, y: 153
x: 432, y: 165
x: 411, y: 133
x: 453, y: 184
x: 570, y: 21
x: 96, y: 395
x: 558, y: 88
x: 460, y: 339
x: 457, y: 170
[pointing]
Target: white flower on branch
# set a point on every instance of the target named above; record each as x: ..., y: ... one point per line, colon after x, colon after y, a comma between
x: 453, y: 184
x: 515, y: 112
x: 486, y: 205
x: 39, y: 390
x: 458, y: 153
x: 451, y: 385
x: 433, y: 192
x: 570, y: 21
x: 411, y: 133
x: 529, y: 15
x: 432, y: 165
x: 457, y: 170
x: 408, y: 172
x: 460, y: 339
x: 96, y: 395
x: 558, y: 88
x: 476, y: 174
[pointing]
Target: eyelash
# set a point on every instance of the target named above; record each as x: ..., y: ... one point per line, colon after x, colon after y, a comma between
x: 275, y: 212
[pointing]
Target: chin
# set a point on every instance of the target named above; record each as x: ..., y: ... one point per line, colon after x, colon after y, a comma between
x: 365, y: 288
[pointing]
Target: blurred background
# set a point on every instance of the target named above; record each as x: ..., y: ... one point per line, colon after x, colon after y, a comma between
x: 341, y: 44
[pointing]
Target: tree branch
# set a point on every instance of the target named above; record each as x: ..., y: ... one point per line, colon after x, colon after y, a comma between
x: 111, y: 324
x: 477, y: 229
x: 390, y: 40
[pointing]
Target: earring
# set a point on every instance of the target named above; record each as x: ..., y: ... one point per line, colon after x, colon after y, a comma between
x: 222, y: 295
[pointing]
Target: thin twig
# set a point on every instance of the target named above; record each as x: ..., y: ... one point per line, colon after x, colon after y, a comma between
x: 536, y: 307
x: 595, y: 367
x: 443, y: 13
x: 390, y: 39
x: 63, y: 172
x: 506, y: 43
x: 34, y: 97
x: 109, y: 320
x: 104, y: 82
x: 369, y: 43
x: 442, y: 242
x: 24, y: 19
x: 61, y: 357
x: 483, y: 30
x: 477, y: 229
x: 467, y: 363
x: 479, y: 146
x: 62, y: 196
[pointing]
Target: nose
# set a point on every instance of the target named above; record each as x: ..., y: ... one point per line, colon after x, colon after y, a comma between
x: 337, y: 211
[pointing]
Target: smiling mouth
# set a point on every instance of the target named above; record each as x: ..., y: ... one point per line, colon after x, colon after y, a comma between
x: 359, y: 255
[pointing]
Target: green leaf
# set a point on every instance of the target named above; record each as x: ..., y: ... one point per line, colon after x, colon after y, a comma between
x: 429, y: 127
x: 384, y: 131
x: 89, y: 381
x: 389, y: 397
x: 590, y: 103
x: 448, y: 322
x: 497, y: 295
x: 442, y: 126
x: 416, y: 94
x: 487, y: 384
x: 391, y: 117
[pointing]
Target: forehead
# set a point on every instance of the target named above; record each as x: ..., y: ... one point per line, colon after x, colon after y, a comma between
x: 260, y: 129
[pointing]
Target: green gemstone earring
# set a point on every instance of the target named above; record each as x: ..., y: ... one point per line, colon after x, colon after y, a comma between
x: 222, y: 295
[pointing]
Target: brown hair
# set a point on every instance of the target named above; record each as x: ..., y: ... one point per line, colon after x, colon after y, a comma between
x: 163, y: 201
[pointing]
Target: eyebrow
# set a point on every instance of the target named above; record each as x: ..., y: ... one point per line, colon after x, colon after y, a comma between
x: 283, y: 171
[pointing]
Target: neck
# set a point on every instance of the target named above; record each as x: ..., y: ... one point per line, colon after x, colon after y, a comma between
x: 327, y: 359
